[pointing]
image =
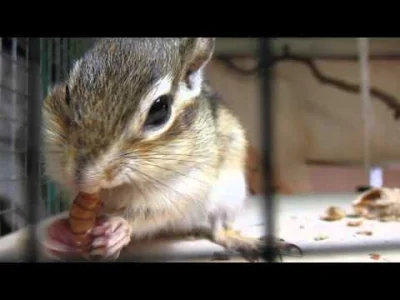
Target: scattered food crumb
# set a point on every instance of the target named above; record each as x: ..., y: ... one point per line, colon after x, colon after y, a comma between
x: 352, y: 216
x: 375, y: 256
x: 389, y: 219
x: 354, y: 223
x: 321, y: 237
x: 334, y: 213
x: 221, y: 256
x: 364, y: 232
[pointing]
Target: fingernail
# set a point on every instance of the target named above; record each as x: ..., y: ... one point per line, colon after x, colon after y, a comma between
x: 97, y: 231
x: 97, y: 243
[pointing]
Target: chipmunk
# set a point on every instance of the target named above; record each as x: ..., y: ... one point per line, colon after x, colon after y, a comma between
x: 137, y: 122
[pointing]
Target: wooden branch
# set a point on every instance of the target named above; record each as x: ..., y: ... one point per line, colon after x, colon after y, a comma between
x: 389, y: 100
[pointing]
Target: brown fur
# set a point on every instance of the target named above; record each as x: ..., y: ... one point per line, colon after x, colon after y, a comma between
x: 106, y: 89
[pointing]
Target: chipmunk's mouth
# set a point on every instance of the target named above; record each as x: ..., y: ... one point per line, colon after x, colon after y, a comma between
x: 96, y: 183
x: 91, y: 177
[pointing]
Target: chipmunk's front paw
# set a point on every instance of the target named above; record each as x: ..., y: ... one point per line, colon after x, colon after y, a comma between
x: 111, y: 235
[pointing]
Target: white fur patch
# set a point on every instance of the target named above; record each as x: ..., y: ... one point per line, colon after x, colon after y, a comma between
x: 224, y: 204
x: 185, y: 93
x: 229, y: 192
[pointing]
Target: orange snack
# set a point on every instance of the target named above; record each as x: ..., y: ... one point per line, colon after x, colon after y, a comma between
x: 82, y: 217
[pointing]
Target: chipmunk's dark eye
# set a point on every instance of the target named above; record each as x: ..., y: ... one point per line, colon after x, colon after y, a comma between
x: 160, y: 111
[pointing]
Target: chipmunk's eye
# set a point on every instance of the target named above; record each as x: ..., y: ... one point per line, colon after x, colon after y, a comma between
x: 160, y: 111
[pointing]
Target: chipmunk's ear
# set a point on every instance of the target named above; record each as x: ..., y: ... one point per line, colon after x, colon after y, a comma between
x: 197, y: 53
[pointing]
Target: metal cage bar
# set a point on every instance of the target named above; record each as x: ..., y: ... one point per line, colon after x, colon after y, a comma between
x: 265, y: 56
x: 14, y: 95
x: 33, y: 156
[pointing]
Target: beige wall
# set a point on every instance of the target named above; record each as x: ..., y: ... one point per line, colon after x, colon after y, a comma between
x: 317, y: 122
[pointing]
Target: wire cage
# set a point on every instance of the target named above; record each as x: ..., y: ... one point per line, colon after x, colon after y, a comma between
x: 57, y: 57
x: 14, y: 97
x: 28, y: 68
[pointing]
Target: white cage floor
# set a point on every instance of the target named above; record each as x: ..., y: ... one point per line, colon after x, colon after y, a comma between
x: 298, y: 221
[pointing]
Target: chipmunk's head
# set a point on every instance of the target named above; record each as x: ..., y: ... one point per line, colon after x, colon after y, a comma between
x: 128, y: 106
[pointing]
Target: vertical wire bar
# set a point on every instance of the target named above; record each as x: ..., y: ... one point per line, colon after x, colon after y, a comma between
x: 64, y: 74
x: 1, y: 90
x: 81, y: 46
x: 65, y: 58
x: 58, y: 59
x: 14, y: 124
x: 72, y: 50
x: 75, y: 53
x: 365, y: 102
x: 50, y: 78
x: 34, y: 178
x: 46, y: 56
x: 68, y: 54
x: 266, y: 117
x: 58, y: 71
x: 1, y: 68
x: 26, y: 99
x: 44, y: 79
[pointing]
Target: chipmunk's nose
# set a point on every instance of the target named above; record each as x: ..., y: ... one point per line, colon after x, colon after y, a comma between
x: 87, y: 180
x: 89, y: 186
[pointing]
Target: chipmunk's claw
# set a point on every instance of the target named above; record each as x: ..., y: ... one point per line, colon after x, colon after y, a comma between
x: 284, y: 248
x: 110, y: 237
x: 253, y: 249
x: 261, y: 249
x: 107, y: 240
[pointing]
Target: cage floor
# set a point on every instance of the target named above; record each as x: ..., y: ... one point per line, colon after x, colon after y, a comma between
x: 298, y: 221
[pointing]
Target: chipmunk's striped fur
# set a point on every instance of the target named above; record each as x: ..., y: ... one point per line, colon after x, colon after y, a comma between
x: 184, y: 175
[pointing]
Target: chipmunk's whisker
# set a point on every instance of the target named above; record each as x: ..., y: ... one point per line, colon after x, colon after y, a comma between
x: 174, y: 171
x: 163, y: 158
x: 137, y: 187
x: 151, y: 154
x: 179, y: 160
x: 151, y: 181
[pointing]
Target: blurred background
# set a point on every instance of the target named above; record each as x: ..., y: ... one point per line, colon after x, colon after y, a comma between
x: 318, y: 110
